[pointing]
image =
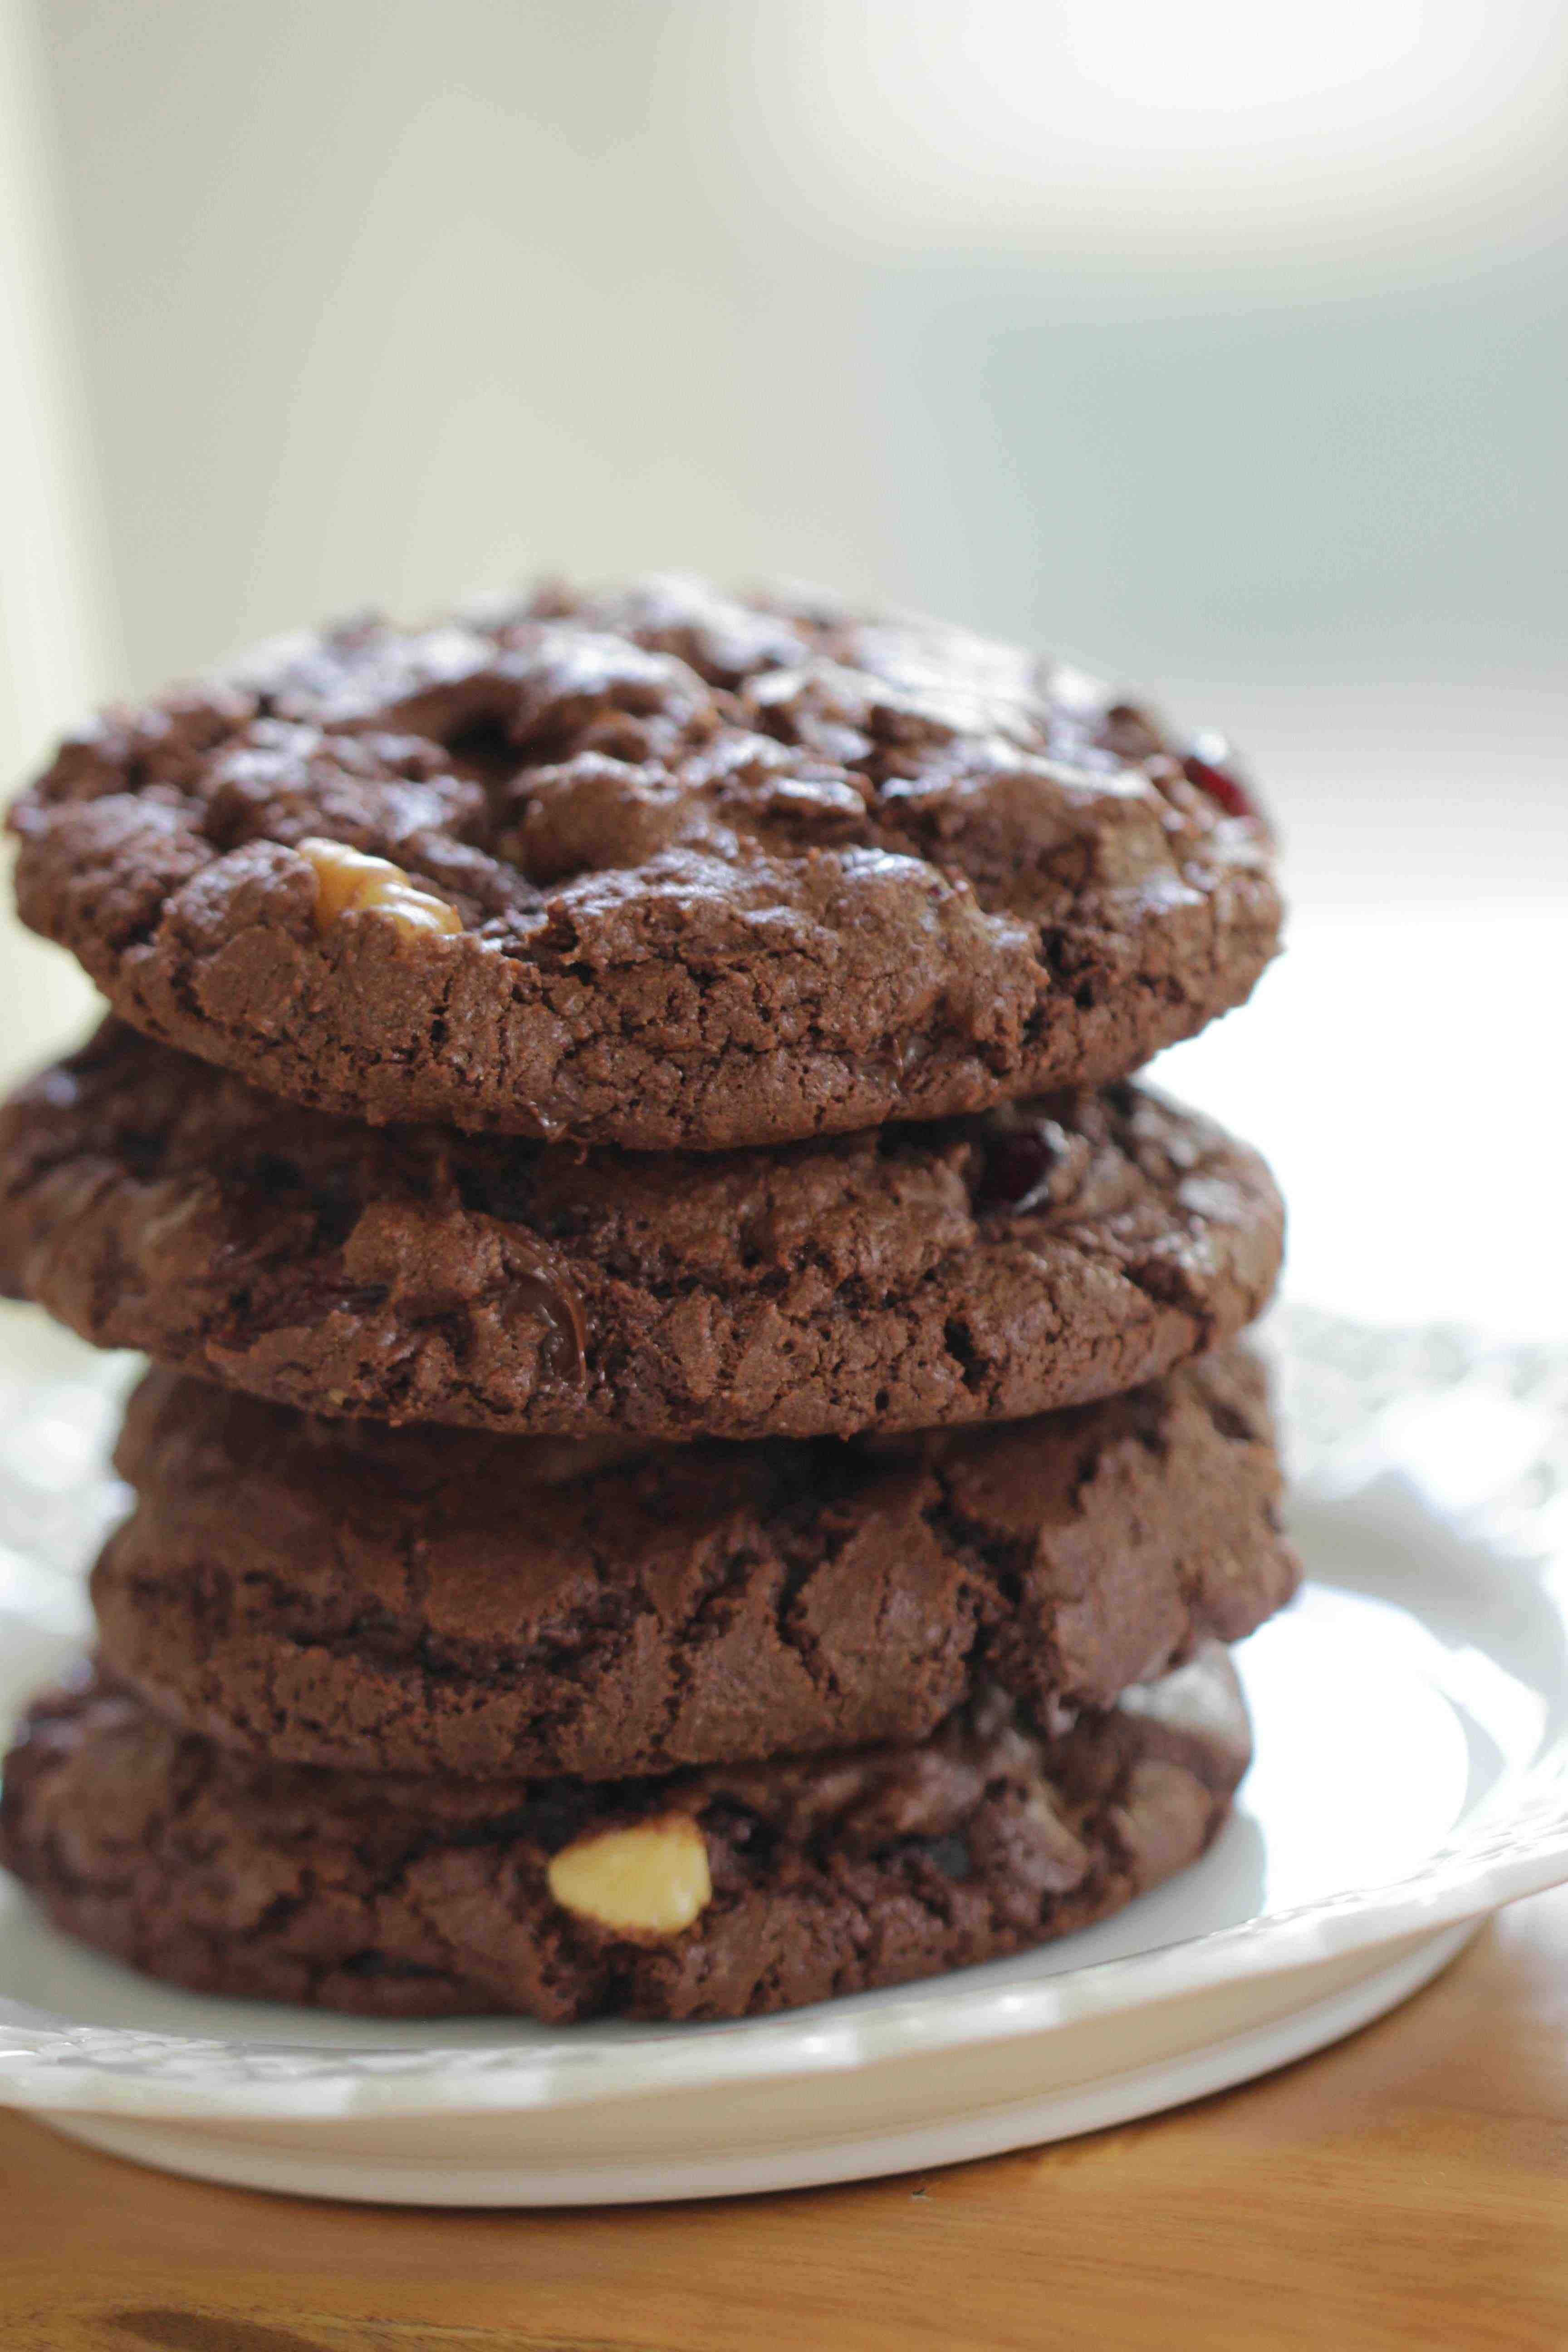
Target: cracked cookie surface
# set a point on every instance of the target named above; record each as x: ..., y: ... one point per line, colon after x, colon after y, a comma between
x: 658, y: 869
x: 434, y: 1601
x: 409, y: 1899
x: 983, y: 1269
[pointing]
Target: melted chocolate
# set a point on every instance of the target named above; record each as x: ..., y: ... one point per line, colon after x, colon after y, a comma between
x: 1017, y: 1172
x: 562, y: 1353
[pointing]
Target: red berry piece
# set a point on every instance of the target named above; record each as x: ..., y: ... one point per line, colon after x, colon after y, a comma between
x: 1211, y: 764
x: 1017, y: 1173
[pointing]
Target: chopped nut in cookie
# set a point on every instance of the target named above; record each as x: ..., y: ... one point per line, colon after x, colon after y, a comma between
x: 349, y: 882
x: 650, y: 1879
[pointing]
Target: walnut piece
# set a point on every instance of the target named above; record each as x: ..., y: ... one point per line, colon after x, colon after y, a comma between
x: 351, y: 882
x: 650, y: 1879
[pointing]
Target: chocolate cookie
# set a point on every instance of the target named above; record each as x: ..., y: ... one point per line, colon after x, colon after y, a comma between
x: 983, y: 1269
x: 431, y: 1601
x: 710, y: 1895
x: 654, y: 868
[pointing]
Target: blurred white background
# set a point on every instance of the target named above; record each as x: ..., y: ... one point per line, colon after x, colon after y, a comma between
x: 1221, y: 347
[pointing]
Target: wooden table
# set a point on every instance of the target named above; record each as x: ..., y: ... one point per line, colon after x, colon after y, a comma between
x: 1409, y: 2187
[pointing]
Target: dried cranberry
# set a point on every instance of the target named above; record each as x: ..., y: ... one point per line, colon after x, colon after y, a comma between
x: 1210, y: 764
x: 1016, y: 1170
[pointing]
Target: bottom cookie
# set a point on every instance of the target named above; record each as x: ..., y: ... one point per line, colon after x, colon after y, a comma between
x: 707, y: 1893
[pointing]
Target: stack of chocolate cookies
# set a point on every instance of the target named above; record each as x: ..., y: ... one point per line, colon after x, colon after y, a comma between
x: 697, y: 1457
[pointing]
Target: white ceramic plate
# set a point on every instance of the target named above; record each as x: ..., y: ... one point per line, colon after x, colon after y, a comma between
x: 1412, y: 1774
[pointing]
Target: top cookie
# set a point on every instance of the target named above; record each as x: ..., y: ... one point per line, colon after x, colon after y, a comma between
x: 656, y: 868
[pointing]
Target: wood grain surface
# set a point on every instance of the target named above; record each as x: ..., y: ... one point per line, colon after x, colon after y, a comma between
x: 1408, y: 2188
